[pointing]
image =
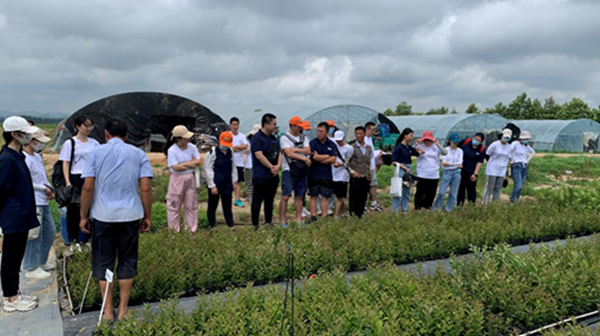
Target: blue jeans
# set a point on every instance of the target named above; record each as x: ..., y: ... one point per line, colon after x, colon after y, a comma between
x: 519, y: 174
x: 37, y: 250
x: 450, y: 178
x: 402, y: 202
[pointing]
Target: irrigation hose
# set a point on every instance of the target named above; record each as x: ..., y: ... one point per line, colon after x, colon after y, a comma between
x: 559, y: 323
x: 67, y: 285
x: 87, y: 286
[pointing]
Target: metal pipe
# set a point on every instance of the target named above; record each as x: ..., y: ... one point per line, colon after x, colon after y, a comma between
x: 537, y: 331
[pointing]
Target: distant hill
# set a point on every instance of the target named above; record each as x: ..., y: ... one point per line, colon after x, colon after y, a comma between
x: 35, y: 116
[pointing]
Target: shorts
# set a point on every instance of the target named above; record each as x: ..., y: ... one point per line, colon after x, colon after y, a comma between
x: 111, y: 241
x: 374, y: 178
x: 340, y: 189
x: 240, y: 171
x: 320, y: 187
x: 290, y: 183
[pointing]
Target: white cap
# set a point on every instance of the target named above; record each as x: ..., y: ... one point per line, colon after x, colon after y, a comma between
x: 338, y: 136
x: 17, y: 124
x: 507, y: 133
x: 255, y: 129
x: 525, y: 135
x: 39, y: 135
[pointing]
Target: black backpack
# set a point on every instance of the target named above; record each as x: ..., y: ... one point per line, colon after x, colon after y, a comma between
x: 298, y: 169
x: 64, y: 194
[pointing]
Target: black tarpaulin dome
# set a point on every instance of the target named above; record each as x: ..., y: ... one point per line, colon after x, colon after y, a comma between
x: 147, y: 113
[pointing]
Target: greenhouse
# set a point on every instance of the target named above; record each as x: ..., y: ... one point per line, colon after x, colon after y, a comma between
x: 442, y: 125
x: 346, y: 117
x: 562, y: 135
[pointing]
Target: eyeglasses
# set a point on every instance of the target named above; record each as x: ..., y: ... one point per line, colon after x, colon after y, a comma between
x: 88, y: 126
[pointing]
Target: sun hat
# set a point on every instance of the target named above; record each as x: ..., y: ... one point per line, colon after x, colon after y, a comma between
x: 338, y: 136
x: 39, y: 135
x: 181, y: 131
x: 306, y: 125
x: 255, y: 129
x: 226, y: 139
x: 454, y: 137
x: 427, y: 135
x: 525, y: 135
x: 17, y: 124
x: 296, y: 121
x: 330, y: 122
x: 507, y: 133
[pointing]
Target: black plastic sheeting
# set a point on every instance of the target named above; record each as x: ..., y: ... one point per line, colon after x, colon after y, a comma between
x: 516, y: 131
x: 147, y: 113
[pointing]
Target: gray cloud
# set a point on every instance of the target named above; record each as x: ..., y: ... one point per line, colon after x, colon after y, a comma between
x: 242, y: 55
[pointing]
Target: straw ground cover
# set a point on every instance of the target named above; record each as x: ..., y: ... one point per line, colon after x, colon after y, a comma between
x: 495, y: 293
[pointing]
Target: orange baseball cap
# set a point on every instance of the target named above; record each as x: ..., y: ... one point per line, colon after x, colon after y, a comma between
x: 296, y: 121
x: 330, y: 122
x: 226, y: 139
x: 306, y: 125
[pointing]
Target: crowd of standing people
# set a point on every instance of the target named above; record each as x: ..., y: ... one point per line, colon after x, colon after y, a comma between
x: 110, y: 193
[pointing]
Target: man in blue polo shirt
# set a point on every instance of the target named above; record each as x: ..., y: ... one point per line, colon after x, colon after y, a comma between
x: 266, y: 161
x: 320, y: 180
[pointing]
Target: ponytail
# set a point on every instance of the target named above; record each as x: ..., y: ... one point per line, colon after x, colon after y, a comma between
x: 403, y: 135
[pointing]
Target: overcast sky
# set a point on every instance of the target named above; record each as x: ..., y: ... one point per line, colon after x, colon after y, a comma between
x: 59, y: 55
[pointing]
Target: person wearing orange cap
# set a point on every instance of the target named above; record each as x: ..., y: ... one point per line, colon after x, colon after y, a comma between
x: 295, y: 167
x: 221, y: 174
x: 182, y: 159
x: 428, y: 169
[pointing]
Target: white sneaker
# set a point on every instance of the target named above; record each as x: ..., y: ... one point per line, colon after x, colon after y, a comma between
x: 78, y: 248
x: 21, y: 304
x: 330, y: 213
x: 48, y: 266
x: 376, y: 207
x: 71, y: 248
x: 305, y: 213
x: 38, y: 273
x: 29, y: 297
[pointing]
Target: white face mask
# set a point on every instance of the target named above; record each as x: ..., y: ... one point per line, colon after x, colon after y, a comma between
x: 25, y: 139
x: 39, y: 147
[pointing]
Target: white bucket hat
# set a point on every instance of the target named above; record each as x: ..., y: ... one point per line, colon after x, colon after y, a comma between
x: 525, y: 135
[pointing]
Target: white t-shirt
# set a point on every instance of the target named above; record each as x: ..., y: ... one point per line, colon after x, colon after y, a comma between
x: 519, y: 152
x: 369, y: 141
x: 284, y: 142
x: 340, y: 174
x: 248, y: 159
x: 454, y: 158
x: 238, y: 140
x: 428, y: 163
x: 176, y: 155
x: 499, y: 156
x: 81, y: 151
x: 35, y: 163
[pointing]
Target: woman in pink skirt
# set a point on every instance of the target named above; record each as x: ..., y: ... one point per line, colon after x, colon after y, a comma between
x: 182, y: 158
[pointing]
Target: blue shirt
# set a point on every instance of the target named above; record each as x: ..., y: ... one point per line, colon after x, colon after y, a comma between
x: 17, y: 199
x: 318, y: 170
x: 471, y: 156
x: 269, y: 146
x: 117, y: 167
x: 402, y: 153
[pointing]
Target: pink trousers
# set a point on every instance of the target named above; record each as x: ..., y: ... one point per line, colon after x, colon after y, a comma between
x: 182, y: 190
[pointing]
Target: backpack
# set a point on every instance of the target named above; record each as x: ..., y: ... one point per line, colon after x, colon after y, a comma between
x: 64, y: 194
x: 468, y: 141
x: 298, y: 169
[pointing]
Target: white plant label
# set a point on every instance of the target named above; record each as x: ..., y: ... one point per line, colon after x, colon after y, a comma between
x: 109, y: 276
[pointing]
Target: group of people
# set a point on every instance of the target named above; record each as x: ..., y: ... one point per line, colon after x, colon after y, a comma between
x: 105, y: 206
x: 108, y: 180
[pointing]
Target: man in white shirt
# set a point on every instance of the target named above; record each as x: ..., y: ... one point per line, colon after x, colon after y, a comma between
x: 340, y: 174
x: 295, y: 147
x: 370, y: 131
x: 240, y: 145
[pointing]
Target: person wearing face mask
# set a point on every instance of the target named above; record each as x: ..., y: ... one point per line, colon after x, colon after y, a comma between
x: 428, y: 170
x: 221, y: 175
x: 521, y: 154
x: 495, y: 170
x: 83, y: 145
x: 16, y: 192
x: 402, y: 157
x: 35, y: 262
x: 452, y: 163
x: 182, y: 159
x: 473, y: 157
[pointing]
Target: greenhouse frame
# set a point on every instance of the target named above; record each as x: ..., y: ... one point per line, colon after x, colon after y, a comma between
x: 466, y: 125
x: 346, y: 118
x: 580, y: 135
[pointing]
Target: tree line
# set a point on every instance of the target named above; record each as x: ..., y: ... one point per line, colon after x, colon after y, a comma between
x: 522, y: 108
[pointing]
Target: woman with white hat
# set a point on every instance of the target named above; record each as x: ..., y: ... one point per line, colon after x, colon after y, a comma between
x: 495, y: 170
x: 452, y: 164
x: 35, y: 263
x: 521, y: 154
x: 16, y: 192
x: 428, y: 169
x: 182, y: 159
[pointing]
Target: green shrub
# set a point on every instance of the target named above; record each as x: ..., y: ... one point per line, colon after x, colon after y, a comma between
x: 180, y: 264
x: 496, y: 293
